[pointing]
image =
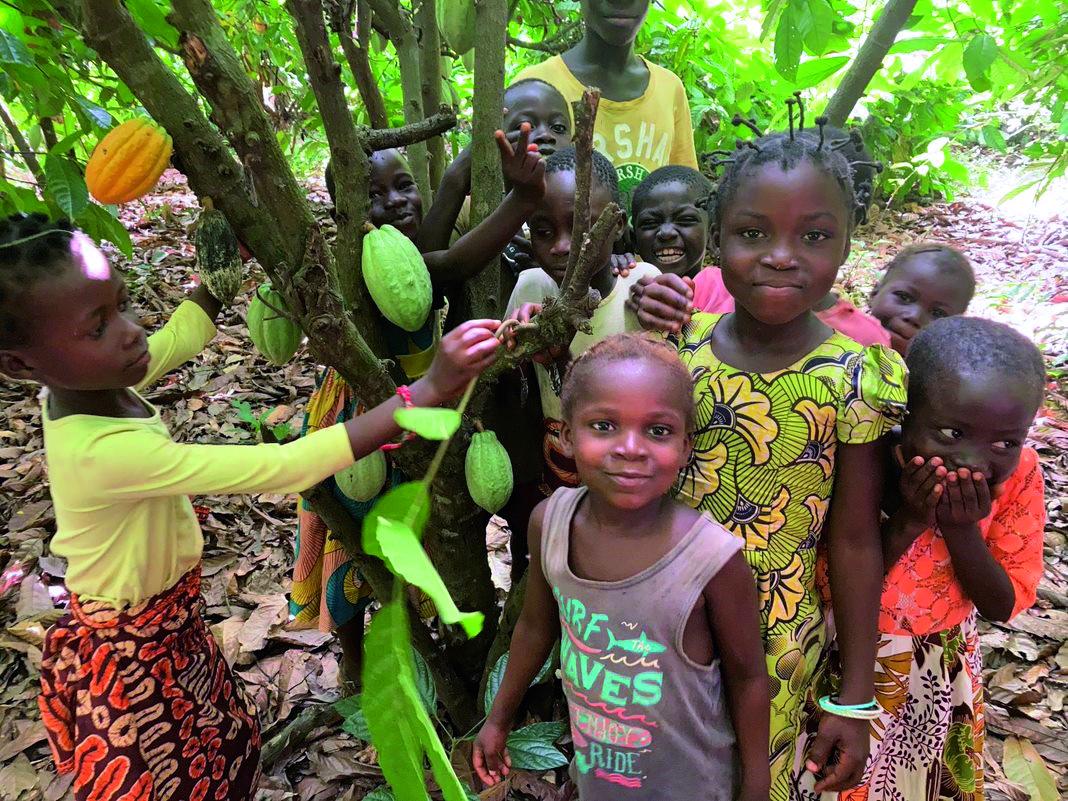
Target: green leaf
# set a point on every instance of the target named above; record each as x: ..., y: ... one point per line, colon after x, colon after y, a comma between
x: 13, y: 51
x: 382, y: 793
x: 816, y: 71
x: 66, y: 185
x: 98, y: 115
x: 400, y: 549
x: 400, y: 727
x: 152, y: 19
x: 408, y: 504
x: 531, y: 747
x: 436, y: 424
x: 99, y: 223
x: 991, y: 136
x: 424, y: 683
x: 978, y: 55
x: 821, y: 21
x: 1024, y: 766
x: 917, y: 43
x: 351, y: 709
x: 788, y: 42
x: 496, y: 676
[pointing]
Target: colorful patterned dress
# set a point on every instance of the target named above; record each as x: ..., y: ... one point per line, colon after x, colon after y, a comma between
x: 928, y: 742
x: 328, y: 589
x: 763, y: 465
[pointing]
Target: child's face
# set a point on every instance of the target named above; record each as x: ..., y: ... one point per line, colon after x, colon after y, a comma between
x: 617, y: 22
x: 782, y: 239
x: 915, y: 293
x: 395, y: 199
x: 85, y: 336
x: 671, y: 231
x: 550, y: 224
x: 976, y: 420
x: 543, y: 110
x: 627, y: 432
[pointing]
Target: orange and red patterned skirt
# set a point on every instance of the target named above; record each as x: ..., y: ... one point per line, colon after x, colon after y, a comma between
x: 141, y: 706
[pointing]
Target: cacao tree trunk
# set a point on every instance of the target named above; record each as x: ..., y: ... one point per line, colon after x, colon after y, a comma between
x: 868, y: 61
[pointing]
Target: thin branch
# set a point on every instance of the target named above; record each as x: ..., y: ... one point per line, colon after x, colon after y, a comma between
x: 22, y: 146
x: 355, y: 51
x: 349, y: 163
x: 388, y: 17
x: 560, y: 41
x: 585, y: 113
x: 434, y: 125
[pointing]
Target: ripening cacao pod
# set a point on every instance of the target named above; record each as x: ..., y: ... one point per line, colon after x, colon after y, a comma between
x: 218, y: 255
x: 456, y: 23
x: 396, y: 277
x: 365, y: 479
x: 128, y: 161
x: 275, y: 336
x: 488, y: 471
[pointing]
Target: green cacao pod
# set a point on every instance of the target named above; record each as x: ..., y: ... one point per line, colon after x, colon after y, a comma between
x: 218, y: 255
x: 275, y: 336
x: 396, y: 277
x: 488, y: 471
x: 456, y: 23
x: 365, y: 479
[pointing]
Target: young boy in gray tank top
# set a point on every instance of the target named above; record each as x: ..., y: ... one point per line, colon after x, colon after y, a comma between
x: 656, y: 610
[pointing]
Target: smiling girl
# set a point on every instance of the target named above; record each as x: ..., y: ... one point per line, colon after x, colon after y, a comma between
x: 660, y: 656
x: 788, y: 450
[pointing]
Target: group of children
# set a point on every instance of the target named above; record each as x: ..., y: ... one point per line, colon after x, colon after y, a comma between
x: 760, y: 536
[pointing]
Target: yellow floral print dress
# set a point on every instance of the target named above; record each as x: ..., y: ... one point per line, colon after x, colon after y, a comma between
x: 763, y: 466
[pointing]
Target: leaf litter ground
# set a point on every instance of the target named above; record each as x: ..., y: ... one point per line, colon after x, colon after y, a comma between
x: 1022, y: 267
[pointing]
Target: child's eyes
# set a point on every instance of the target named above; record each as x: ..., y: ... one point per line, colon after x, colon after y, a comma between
x: 540, y: 233
x: 939, y: 314
x: 750, y: 233
x: 951, y: 433
x: 602, y: 426
x: 559, y: 129
x: 1006, y: 445
x: 904, y: 297
x: 687, y: 221
x: 816, y: 236
x: 660, y: 431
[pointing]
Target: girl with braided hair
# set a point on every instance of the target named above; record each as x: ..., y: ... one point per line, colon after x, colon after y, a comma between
x: 789, y: 446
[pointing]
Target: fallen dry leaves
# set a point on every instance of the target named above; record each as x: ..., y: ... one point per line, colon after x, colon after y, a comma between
x: 249, y: 540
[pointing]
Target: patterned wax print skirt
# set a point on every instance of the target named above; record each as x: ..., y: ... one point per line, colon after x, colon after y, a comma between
x: 141, y: 706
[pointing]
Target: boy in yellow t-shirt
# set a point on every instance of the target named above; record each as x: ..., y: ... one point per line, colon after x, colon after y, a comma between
x: 643, y: 121
x: 136, y: 697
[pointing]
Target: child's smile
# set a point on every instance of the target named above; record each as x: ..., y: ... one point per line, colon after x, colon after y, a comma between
x: 914, y: 294
x: 783, y: 237
x: 671, y: 231
x: 395, y: 198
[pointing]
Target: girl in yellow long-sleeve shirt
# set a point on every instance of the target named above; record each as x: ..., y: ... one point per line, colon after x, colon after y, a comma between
x: 136, y: 697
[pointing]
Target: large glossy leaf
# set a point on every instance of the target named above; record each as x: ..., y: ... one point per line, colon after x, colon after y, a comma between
x: 821, y: 20
x: 66, y: 185
x: 400, y: 549
x: 400, y: 727
x: 818, y: 70
x: 496, y: 676
x: 151, y: 17
x: 13, y: 51
x: 100, y: 224
x: 435, y: 424
x: 979, y: 54
x: 789, y: 41
x: 532, y: 747
x: 408, y: 504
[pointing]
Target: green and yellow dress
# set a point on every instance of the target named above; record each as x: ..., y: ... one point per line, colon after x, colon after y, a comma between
x: 763, y: 466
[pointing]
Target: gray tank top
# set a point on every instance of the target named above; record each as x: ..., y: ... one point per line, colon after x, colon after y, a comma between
x: 647, y: 721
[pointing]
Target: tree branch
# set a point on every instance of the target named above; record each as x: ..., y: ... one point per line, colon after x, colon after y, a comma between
x: 431, y: 74
x: 585, y: 113
x: 405, y: 42
x: 355, y: 51
x: 434, y: 125
x: 564, y: 38
x: 22, y: 146
x: 482, y: 292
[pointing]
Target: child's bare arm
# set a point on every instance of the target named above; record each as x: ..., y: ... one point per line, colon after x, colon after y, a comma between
x: 856, y: 574
x: 731, y: 601
x: 535, y: 632
x: 966, y: 501
x: 207, y: 301
x: 525, y: 172
x: 436, y: 230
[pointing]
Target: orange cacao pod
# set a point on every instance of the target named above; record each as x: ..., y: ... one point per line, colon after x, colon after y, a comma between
x: 128, y: 161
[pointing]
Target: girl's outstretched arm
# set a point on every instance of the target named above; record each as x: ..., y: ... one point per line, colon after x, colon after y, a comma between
x: 535, y: 632
x: 731, y: 601
x: 856, y: 576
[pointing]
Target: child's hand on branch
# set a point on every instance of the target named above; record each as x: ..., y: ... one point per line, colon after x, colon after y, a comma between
x: 523, y: 167
x: 844, y: 739
x: 623, y: 263
x: 490, y: 755
x: 464, y: 352
x: 524, y: 316
x: 663, y: 303
x: 921, y: 486
x: 966, y: 501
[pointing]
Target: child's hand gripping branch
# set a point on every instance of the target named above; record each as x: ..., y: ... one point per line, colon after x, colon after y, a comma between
x: 663, y: 303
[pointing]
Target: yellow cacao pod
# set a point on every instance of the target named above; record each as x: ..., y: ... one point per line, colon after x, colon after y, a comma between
x: 275, y: 336
x: 365, y: 479
x: 456, y: 23
x: 396, y: 277
x: 488, y: 471
x: 128, y: 162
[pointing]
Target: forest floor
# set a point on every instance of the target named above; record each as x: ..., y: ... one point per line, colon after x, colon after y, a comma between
x: 1021, y: 259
